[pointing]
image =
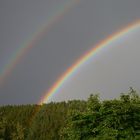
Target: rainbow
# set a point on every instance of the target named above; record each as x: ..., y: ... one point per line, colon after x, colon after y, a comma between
x: 28, y: 44
x: 86, y: 57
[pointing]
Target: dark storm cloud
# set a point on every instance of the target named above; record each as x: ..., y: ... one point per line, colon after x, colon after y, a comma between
x: 87, y: 23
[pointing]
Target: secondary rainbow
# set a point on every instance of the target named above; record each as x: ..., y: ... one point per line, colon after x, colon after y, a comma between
x: 86, y: 57
x: 31, y: 41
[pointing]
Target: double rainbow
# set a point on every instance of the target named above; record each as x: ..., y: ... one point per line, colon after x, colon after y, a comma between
x: 23, y: 49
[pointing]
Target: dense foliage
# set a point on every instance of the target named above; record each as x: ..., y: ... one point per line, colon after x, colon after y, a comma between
x: 106, y: 120
x: 35, y: 122
x: 117, y: 119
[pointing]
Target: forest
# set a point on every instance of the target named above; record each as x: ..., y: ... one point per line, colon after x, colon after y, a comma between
x: 91, y: 119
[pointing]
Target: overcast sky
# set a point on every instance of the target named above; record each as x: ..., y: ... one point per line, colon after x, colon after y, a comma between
x: 76, y: 31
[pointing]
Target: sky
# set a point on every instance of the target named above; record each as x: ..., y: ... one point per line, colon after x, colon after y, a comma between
x: 72, y: 28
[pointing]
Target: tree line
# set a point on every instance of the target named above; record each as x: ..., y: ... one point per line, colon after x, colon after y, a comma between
x: 93, y: 119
